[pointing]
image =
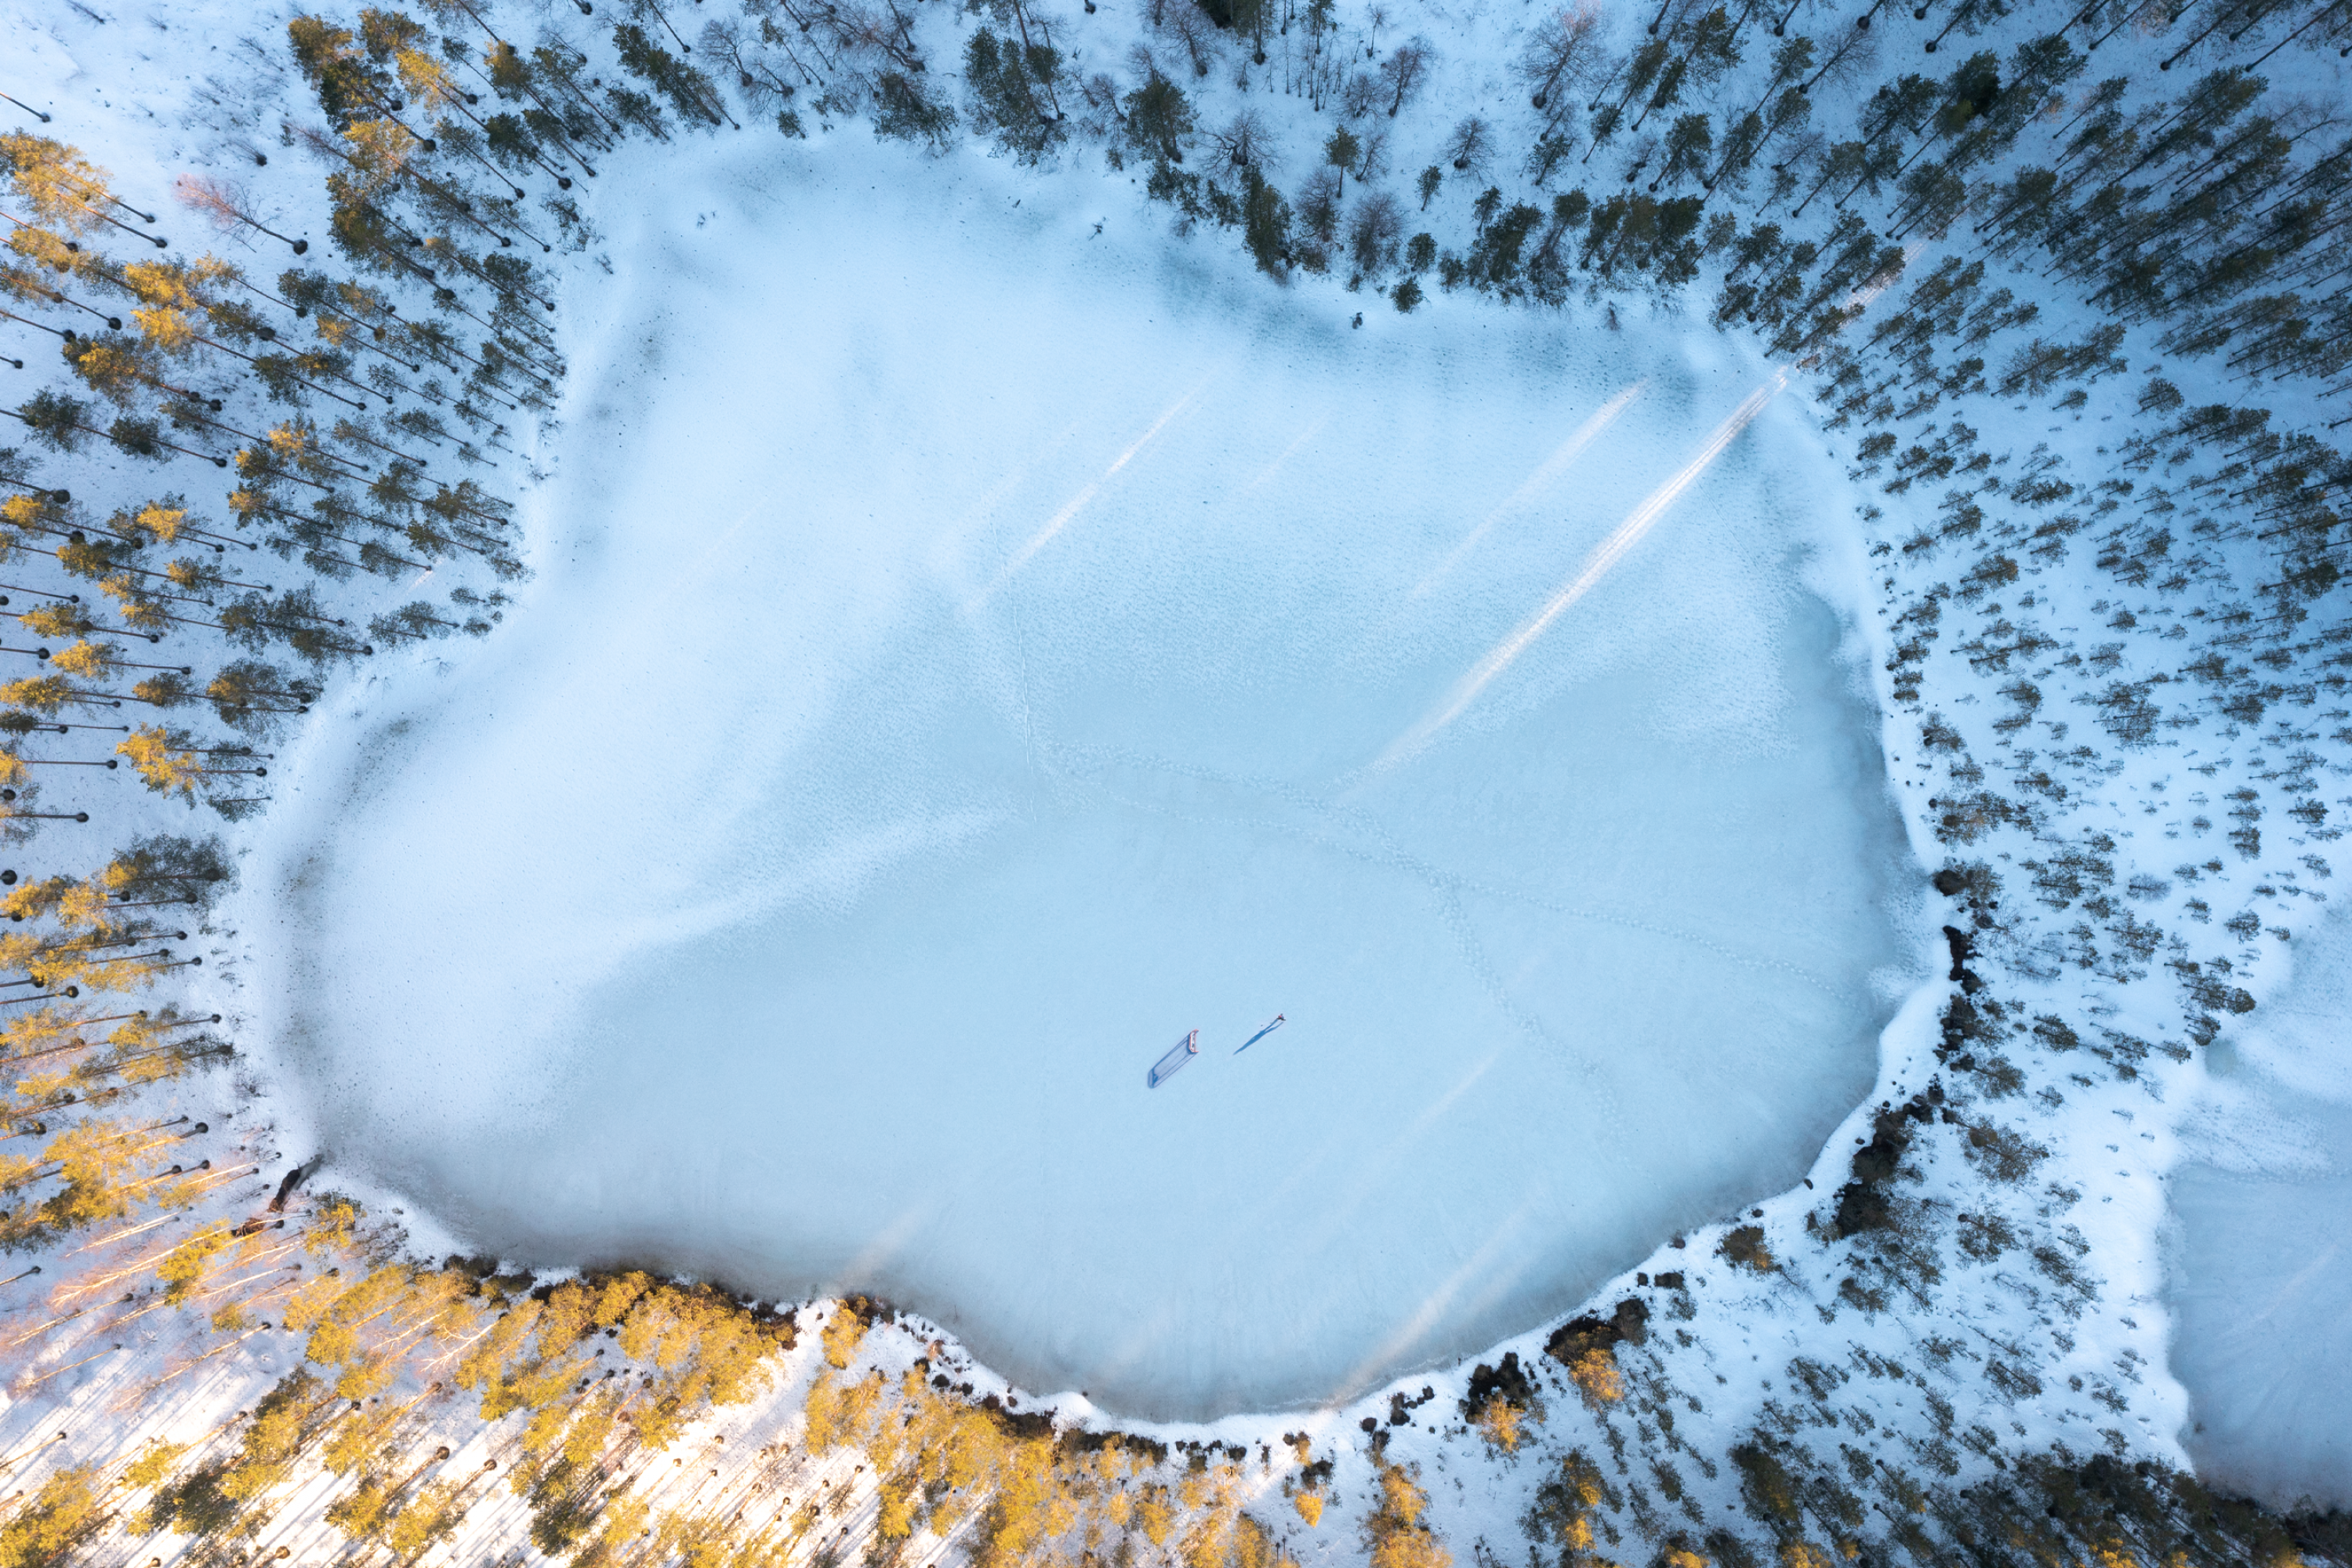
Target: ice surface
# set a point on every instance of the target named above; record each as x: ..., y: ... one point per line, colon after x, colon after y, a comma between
x: 969, y: 651
x: 2260, y: 1276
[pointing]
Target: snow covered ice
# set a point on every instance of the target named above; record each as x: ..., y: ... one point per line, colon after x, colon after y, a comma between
x: 968, y: 652
x: 2260, y: 1276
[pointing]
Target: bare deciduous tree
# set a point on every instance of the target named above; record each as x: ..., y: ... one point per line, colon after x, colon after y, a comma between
x: 1372, y: 231
x: 1405, y: 69
x: 1318, y: 203
x: 763, y: 87
x: 1856, y: 51
x: 226, y: 208
x: 1561, y: 52
x: 1101, y: 97
x: 1471, y: 147
x: 1190, y: 25
x: 886, y: 29
x: 1245, y: 142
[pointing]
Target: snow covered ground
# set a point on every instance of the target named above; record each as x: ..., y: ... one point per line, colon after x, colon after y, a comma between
x: 975, y: 642
x: 2261, y: 1282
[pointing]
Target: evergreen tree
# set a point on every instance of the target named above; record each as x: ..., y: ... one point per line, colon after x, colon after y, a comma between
x: 1266, y: 224
x: 1495, y: 258
x: 1340, y: 151
x: 690, y: 92
x: 1548, y: 152
x: 64, y: 189
x: 1160, y: 120
x: 1006, y: 81
x: 1690, y: 148
x: 167, y: 768
x: 252, y: 696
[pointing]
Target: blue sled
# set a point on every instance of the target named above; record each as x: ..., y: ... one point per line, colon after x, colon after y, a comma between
x: 1167, y: 1067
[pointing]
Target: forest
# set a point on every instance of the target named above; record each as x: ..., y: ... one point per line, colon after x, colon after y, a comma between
x: 1951, y: 227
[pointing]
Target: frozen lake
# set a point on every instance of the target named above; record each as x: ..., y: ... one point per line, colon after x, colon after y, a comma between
x: 968, y: 652
x: 2259, y: 1275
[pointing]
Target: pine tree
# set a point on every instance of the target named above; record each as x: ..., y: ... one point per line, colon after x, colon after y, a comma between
x: 53, y: 1526
x: 1690, y: 148
x: 1159, y: 119
x: 151, y: 750
x: 1006, y: 80
x: 1266, y: 224
x: 1395, y: 1534
x: 1340, y: 151
x: 64, y: 189
x: 690, y: 92
x: 251, y: 695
